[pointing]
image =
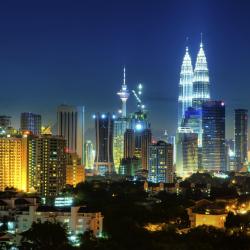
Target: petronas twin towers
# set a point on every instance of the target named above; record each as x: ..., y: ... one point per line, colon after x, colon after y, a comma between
x: 194, y: 86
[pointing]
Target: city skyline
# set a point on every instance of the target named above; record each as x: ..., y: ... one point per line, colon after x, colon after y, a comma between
x: 36, y: 55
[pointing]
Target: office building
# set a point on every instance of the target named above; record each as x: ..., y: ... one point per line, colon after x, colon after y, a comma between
x: 129, y: 143
x: 146, y: 140
x: 120, y: 126
x: 70, y: 125
x: 160, y: 162
x: 31, y: 122
x: 240, y: 134
x: 213, y: 146
x: 5, y: 121
x: 104, y: 128
x: 186, y: 152
x: 89, y: 155
x: 185, y: 87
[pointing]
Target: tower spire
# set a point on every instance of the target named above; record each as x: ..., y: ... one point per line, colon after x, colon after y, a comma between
x: 201, y: 43
x: 124, y: 93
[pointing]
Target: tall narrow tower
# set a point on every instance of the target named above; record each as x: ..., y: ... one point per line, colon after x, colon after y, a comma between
x: 124, y: 94
x: 185, y: 87
x: 201, y: 85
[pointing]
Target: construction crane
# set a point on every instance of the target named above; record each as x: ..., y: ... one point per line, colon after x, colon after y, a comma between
x: 137, y: 94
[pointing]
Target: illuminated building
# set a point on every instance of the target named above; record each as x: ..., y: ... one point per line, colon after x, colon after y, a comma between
x: 120, y: 126
x: 5, y: 121
x: 70, y: 125
x: 201, y: 86
x: 31, y: 122
x: 186, y: 152
x: 104, y: 128
x: 160, y: 162
x: 75, y: 172
x: 240, y: 134
x: 146, y: 140
x: 185, y: 87
x: 13, y: 162
x: 89, y: 155
x: 129, y: 143
x: 124, y: 95
x: 213, y: 146
x: 50, y: 165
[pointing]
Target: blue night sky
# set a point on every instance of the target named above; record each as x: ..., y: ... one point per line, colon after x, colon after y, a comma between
x: 72, y: 52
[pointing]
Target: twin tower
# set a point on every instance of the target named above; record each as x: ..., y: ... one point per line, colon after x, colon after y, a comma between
x: 194, y: 86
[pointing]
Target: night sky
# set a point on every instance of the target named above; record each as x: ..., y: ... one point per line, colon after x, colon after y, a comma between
x: 73, y: 52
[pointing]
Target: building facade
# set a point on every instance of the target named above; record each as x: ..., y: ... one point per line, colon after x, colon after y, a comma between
x: 104, y: 129
x: 70, y: 125
x: 89, y: 155
x: 160, y: 162
x: 31, y: 122
x: 213, y: 146
x: 240, y: 134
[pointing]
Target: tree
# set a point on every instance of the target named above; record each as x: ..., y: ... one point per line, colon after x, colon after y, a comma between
x: 46, y: 236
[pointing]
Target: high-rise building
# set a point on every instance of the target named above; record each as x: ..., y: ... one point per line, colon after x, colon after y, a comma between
x: 89, y: 155
x: 201, y: 84
x: 50, y: 165
x: 186, y: 152
x: 185, y: 87
x: 129, y: 143
x: 120, y: 126
x: 13, y: 163
x: 104, y: 128
x: 5, y: 121
x: 240, y: 134
x: 75, y: 172
x: 146, y: 140
x: 129, y: 166
x: 70, y: 125
x: 213, y: 146
x: 31, y: 122
x: 192, y: 120
x: 160, y: 162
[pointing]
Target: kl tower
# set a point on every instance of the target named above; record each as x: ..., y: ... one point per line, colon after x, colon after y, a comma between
x: 124, y: 94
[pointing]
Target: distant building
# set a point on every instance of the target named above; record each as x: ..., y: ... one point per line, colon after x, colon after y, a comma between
x: 186, y: 152
x: 129, y: 143
x: 129, y: 166
x: 120, y: 126
x: 185, y: 87
x: 241, y: 137
x: 213, y: 146
x: 104, y: 128
x: 89, y: 155
x: 75, y: 172
x: 31, y: 122
x: 146, y: 140
x: 5, y: 121
x: 160, y: 162
x: 70, y: 125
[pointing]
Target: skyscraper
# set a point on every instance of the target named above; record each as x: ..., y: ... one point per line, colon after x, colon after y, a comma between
x: 201, y: 84
x: 213, y: 146
x: 160, y: 162
x: 31, y: 122
x: 187, y: 152
x: 89, y: 155
x: 120, y: 126
x: 146, y: 140
x: 240, y: 133
x: 129, y: 143
x: 185, y: 87
x: 50, y: 165
x: 70, y: 125
x: 104, y: 128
